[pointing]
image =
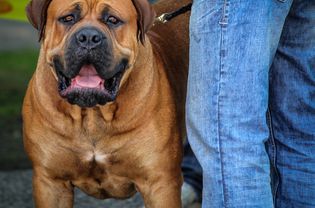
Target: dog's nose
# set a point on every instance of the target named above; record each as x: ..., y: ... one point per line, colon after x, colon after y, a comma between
x: 89, y: 38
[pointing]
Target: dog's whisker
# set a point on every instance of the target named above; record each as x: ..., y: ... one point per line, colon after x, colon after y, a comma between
x: 54, y: 74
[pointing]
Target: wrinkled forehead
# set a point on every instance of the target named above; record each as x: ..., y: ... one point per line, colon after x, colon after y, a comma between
x: 124, y: 8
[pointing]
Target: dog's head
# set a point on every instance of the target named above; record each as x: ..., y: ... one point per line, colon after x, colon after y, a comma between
x: 90, y: 44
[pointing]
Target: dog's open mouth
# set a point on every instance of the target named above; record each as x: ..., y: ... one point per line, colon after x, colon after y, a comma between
x: 88, y: 88
x: 89, y: 79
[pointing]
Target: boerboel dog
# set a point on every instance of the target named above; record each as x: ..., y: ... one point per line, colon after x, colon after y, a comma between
x: 104, y: 109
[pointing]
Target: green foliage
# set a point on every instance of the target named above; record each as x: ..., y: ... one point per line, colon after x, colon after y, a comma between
x: 16, y: 69
x: 13, y: 9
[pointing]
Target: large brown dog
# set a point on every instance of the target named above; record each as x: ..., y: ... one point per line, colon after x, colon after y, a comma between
x: 104, y: 110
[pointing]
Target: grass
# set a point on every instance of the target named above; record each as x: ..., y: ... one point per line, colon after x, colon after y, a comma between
x: 16, y: 69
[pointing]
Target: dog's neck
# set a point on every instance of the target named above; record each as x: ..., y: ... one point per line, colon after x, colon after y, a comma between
x: 136, y: 99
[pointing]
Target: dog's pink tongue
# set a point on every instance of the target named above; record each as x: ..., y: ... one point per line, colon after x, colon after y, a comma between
x: 87, y: 77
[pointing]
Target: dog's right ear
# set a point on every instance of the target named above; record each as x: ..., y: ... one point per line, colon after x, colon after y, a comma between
x: 36, y: 12
x: 146, y: 17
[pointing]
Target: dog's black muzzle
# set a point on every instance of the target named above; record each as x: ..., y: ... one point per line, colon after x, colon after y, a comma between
x: 89, y: 53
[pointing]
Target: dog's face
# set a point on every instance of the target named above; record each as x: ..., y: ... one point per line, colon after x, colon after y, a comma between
x: 91, y: 45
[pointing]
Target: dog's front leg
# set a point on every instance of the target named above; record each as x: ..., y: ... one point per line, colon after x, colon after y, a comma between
x: 162, y: 194
x: 51, y: 193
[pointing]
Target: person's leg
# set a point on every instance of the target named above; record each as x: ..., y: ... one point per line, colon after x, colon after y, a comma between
x: 232, y: 47
x: 192, y: 172
x: 292, y: 106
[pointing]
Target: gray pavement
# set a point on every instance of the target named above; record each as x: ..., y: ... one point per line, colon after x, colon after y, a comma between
x: 16, y: 192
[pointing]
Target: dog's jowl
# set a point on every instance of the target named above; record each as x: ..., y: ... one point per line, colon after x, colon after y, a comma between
x: 104, y: 110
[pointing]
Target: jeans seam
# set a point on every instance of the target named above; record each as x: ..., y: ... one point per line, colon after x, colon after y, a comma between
x: 224, y: 18
x: 274, y: 159
x: 223, y: 23
x: 218, y: 125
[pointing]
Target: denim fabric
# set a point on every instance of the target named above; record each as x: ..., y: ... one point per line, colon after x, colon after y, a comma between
x: 292, y: 108
x: 192, y: 171
x: 234, y: 45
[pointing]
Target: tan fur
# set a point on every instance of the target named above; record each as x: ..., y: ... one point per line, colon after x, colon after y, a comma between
x: 133, y: 143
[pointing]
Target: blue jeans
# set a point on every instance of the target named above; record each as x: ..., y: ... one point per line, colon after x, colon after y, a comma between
x: 251, y: 83
x: 192, y: 171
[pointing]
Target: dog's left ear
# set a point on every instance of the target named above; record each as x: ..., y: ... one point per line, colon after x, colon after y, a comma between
x: 146, y: 17
x: 36, y: 12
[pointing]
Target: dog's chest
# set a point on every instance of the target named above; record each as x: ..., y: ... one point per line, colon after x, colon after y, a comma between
x: 99, y: 174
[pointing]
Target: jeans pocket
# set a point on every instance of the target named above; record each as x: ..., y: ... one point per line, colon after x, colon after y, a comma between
x: 282, y: 1
x: 205, y: 15
x: 204, y: 9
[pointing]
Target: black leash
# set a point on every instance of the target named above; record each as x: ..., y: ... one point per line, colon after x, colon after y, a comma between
x: 164, y: 18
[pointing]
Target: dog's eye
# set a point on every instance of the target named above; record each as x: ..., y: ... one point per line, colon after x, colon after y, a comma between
x: 113, y: 21
x: 68, y: 19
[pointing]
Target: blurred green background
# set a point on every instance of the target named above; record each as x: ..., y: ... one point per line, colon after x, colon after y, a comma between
x: 13, y: 9
x: 18, y: 54
x: 15, y: 71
